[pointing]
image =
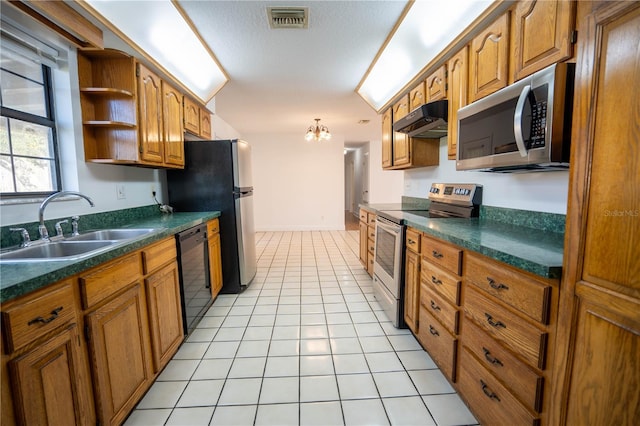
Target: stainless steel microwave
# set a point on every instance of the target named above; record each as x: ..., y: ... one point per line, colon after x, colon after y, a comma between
x: 523, y: 127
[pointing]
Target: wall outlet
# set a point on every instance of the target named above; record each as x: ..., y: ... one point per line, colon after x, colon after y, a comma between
x: 120, y: 194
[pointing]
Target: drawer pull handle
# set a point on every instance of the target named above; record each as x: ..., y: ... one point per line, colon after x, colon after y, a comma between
x: 433, y: 331
x: 494, y: 323
x: 437, y: 254
x: 491, y: 359
x: 54, y: 315
x: 488, y: 391
x: 434, y: 306
x: 435, y: 280
x: 495, y: 285
x: 410, y: 241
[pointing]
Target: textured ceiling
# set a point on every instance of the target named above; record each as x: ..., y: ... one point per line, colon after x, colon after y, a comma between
x: 280, y: 80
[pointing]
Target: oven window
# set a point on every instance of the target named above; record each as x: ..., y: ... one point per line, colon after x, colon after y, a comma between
x: 385, y: 250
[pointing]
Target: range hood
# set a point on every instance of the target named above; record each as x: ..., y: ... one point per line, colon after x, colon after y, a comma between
x: 427, y: 121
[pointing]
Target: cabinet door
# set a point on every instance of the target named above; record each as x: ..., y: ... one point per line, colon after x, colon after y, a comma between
x: 150, y: 116
x: 436, y: 85
x: 457, y: 83
x: 165, y: 314
x: 412, y: 289
x: 489, y: 61
x: 387, y: 139
x: 401, y: 146
x: 51, y: 383
x: 120, y: 354
x: 599, y: 314
x: 542, y: 35
x: 364, y: 243
x: 417, y: 96
x: 215, y: 264
x: 173, y: 132
x: 191, y: 116
x: 205, y: 124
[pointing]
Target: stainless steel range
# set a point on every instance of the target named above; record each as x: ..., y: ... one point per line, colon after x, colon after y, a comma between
x: 447, y: 201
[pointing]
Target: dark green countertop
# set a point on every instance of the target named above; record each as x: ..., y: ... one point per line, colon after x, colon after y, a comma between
x: 536, y: 248
x: 17, y: 279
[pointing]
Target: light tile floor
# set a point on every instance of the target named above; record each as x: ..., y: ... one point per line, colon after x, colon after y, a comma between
x: 305, y: 344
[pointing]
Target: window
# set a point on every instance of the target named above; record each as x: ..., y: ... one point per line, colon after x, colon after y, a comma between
x: 28, y: 149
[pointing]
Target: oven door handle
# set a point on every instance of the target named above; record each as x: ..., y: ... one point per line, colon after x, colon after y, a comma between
x: 517, y: 120
x: 388, y: 226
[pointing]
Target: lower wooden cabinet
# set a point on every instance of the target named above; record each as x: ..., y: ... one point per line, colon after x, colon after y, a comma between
x: 51, y: 383
x: 411, y: 289
x: 367, y: 239
x: 215, y: 257
x: 165, y: 314
x: 120, y: 354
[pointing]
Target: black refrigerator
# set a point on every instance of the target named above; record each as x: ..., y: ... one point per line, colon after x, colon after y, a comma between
x: 217, y: 176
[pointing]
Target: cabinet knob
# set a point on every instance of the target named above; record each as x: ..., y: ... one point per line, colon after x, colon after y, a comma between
x: 490, y: 358
x: 488, y: 391
x: 496, y: 286
x: 437, y: 254
x: 433, y: 331
x: 493, y: 323
x: 54, y: 315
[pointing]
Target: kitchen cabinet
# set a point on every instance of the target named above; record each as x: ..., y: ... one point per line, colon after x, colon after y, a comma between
x: 130, y: 116
x: 162, y: 289
x: 457, y: 87
x: 387, y: 138
x: 507, y: 335
x: 412, y: 279
x: 45, y: 377
x: 440, y: 268
x: 417, y: 96
x: 117, y: 330
x: 489, y: 59
x: 542, y: 33
x: 408, y: 152
x: 598, y: 367
x: 436, y: 85
x: 367, y: 239
x: 215, y: 256
x: 197, y: 120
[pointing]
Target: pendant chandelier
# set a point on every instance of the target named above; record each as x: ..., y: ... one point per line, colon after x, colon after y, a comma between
x: 318, y: 132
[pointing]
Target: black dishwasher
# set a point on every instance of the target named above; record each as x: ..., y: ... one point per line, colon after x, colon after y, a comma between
x: 193, y: 267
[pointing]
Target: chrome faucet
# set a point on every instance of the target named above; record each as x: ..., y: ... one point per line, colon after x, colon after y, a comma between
x: 42, y: 229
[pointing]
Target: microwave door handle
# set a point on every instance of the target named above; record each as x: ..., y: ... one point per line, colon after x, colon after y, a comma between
x: 517, y: 120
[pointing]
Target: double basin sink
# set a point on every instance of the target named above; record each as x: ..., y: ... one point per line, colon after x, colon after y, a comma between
x: 73, y: 248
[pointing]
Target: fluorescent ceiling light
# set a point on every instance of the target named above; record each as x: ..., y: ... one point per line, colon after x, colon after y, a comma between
x: 425, y: 31
x: 160, y: 30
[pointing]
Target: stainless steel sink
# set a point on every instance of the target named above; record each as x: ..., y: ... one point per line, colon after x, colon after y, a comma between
x: 111, y: 234
x: 58, y: 250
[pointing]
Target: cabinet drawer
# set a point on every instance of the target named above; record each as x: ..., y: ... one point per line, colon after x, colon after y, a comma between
x: 440, y: 309
x: 440, y: 344
x: 213, y: 227
x: 101, y: 283
x: 492, y: 403
x: 445, y: 283
x: 33, y: 316
x: 514, y: 332
x: 530, y: 297
x: 525, y: 383
x: 364, y: 216
x: 442, y: 254
x: 371, y: 219
x: 412, y: 240
x: 371, y: 233
x: 158, y: 254
x: 371, y: 246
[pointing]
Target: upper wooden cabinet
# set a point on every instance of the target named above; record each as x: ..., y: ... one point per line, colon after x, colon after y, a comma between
x: 489, y: 59
x: 387, y: 139
x: 457, y: 83
x: 417, y: 96
x: 197, y: 120
x: 541, y: 35
x: 436, y: 85
x: 401, y: 150
x: 130, y: 116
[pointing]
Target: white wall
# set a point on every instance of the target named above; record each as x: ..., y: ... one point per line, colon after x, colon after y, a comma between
x: 98, y: 181
x: 298, y: 185
x: 541, y: 191
x: 385, y: 186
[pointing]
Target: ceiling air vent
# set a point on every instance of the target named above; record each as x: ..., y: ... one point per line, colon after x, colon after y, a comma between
x: 288, y: 17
